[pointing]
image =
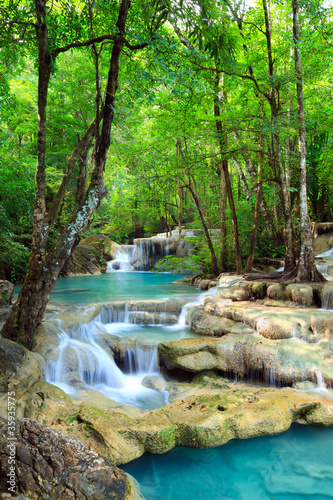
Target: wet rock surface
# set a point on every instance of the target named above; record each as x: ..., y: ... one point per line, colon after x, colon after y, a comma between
x: 55, y: 466
x: 19, y: 368
x: 6, y: 292
x: 208, y: 412
x: 84, y: 260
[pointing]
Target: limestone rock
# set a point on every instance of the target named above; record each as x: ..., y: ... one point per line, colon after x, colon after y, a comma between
x: 276, y: 292
x: 105, y: 246
x: 19, y: 368
x: 84, y: 260
x: 207, y: 324
x: 153, y: 382
x: 203, y: 418
x: 286, y: 361
x: 52, y: 465
x: 6, y: 292
x: 301, y: 294
x: 275, y: 322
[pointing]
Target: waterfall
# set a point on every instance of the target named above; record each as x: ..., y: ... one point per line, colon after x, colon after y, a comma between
x: 123, y: 259
x: 329, y: 253
x: 145, y: 253
x: 183, y: 317
x: 327, y: 300
x: 137, y: 360
x: 83, y: 364
x: 321, y: 386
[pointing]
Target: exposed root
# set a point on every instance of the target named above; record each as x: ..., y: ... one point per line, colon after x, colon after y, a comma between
x: 288, y: 277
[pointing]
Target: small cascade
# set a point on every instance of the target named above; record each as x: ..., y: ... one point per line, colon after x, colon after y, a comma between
x: 323, y: 270
x: 327, y: 300
x: 183, y: 317
x: 145, y: 253
x: 321, y: 386
x: 81, y: 361
x: 329, y: 253
x: 123, y: 259
x: 137, y: 360
x: 83, y: 364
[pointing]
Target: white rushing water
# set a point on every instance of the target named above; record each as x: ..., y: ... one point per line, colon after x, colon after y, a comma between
x: 123, y: 259
x: 83, y: 363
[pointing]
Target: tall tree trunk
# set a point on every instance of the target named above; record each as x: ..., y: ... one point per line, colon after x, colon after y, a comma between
x: 250, y: 258
x: 205, y: 228
x: 179, y: 209
x: 307, y: 270
x: 82, y: 179
x: 225, y: 182
x: 286, y: 205
x: 46, y: 261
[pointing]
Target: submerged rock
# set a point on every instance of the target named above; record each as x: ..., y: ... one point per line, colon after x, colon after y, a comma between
x: 52, y: 465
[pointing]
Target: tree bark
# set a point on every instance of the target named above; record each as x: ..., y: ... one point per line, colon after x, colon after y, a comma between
x: 47, y: 259
x: 226, y: 184
x: 254, y: 234
x: 286, y: 203
x: 306, y: 270
x: 205, y: 228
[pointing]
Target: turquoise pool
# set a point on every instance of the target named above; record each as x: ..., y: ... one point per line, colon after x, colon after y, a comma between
x: 295, y: 465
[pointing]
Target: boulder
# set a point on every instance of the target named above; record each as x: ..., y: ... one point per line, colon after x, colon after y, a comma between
x: 207, y: 324
x: 276, y: 292
x: 19, y: 369
x: 275, y: 322
x: 154, y: 382
x: 6, y: 292
x: 300, y: 294
x: 105, y: 246
x: 286, y: 361
x: 201, y: 417
x: 84, y: 260
x: 55, y: 466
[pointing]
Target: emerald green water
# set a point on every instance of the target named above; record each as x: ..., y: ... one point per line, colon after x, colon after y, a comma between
x: 117, y: 286
x: 295, y: 465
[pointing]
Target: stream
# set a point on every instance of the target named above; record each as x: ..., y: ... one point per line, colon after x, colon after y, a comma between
x: 294, y: 465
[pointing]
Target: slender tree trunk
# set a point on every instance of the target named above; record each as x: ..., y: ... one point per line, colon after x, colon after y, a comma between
x: 286, y: 205
x: 307, y: 270
x: 225, y: 181
x: 205, y: 228
x: 82, y: 180
x: 179, y: 210
x: 46, y: 262
x: 254, y: 234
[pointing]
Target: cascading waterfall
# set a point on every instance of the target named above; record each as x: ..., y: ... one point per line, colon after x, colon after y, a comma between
x: 147, y: 252
x: 137, y: 360
x: 83, y: 363
x: 123, y: 259
x: 183, y: 317
x: 327, y: 300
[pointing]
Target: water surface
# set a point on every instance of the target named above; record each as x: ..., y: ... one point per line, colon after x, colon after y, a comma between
x: 118, y: 286
x: 295, y: 465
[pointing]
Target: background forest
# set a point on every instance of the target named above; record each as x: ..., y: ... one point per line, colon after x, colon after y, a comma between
x: 213, y: 90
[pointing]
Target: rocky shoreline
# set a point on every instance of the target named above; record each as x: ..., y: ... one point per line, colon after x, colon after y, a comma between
x: 254, y: 331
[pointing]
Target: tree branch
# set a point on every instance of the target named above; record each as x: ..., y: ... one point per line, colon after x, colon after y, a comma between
x: 99, y: 39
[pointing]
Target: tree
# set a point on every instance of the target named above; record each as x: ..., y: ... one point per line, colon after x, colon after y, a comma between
x: 49, y: 252
x: 306, y: 269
